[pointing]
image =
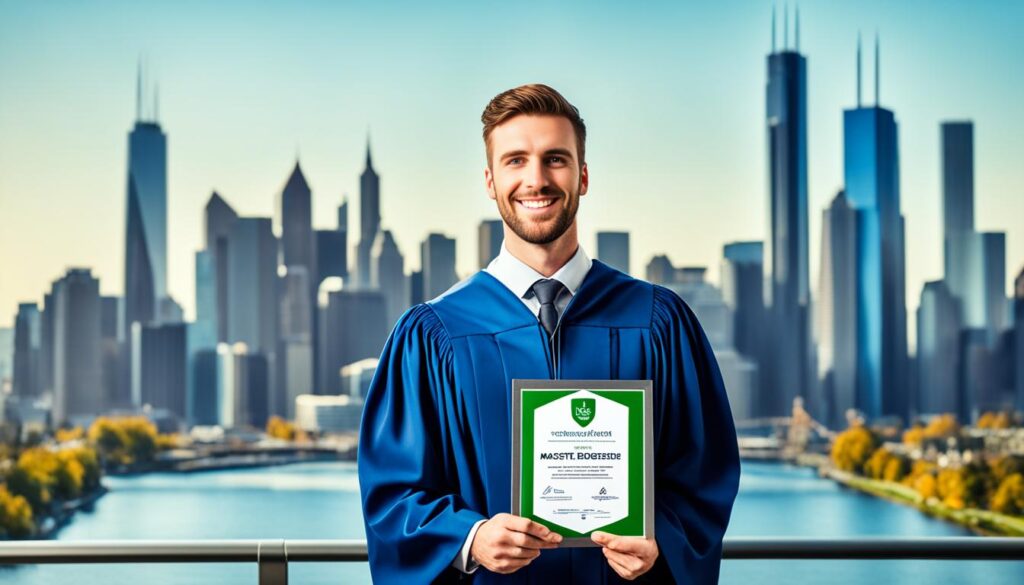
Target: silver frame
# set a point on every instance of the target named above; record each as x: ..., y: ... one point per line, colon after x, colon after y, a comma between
x: 647, y: 386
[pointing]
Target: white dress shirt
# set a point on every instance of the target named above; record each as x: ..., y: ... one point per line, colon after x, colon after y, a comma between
x: 519, y: 278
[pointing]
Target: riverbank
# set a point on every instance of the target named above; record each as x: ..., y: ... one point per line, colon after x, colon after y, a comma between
x: 50, y: 525
x: 983, y: 522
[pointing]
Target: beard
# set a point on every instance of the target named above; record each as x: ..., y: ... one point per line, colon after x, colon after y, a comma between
x: 549, y: 230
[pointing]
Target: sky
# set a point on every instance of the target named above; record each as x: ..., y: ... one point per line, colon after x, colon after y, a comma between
x: 672, y: 94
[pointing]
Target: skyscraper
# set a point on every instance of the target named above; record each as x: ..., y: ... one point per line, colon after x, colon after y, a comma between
x: 387, y: 275
x: 76, y: 345
x: 835, y: 319
x: 1018, y: 344
x: 295, y: 348
x: 163, y: 371
x: 353, y: 328
x: 957, y: 199
x: 27, y: 351
x: 369, y: 219
x: 252, y: 296
x: 871, y: 172
x: 331, y: 254
x: 489, y: 235
x: 787, y: 294
x: 938, y: 339
x: 742, y: 291
x: 146, y: 232
x: 296, y: 214
x: 252, y: 284
x: 220, y: 219
x: 613, y: 249
x: 437, y: 253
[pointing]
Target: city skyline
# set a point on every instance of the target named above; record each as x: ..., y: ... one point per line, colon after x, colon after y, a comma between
x: 408, y: 187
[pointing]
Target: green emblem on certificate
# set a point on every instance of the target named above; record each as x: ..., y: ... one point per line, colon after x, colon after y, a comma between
x: 583, y: 410
x: 576, y: 471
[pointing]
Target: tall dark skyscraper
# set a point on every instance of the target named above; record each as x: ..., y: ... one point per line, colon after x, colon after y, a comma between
x: 957, y: 188
x: 835, y: 322
x: 295, y: 208
x: 490, y: 234
x: 369, y: 219
x: 77, y: 360
x: 871, y: 172
x: 146, y: 227
x: 613, y: 249
x: 787, y: 296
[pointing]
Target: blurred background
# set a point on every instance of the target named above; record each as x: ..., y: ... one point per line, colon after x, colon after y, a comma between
x: 212, y: 214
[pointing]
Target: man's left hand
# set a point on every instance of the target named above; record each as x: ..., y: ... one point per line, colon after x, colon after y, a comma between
x: 628, y: 556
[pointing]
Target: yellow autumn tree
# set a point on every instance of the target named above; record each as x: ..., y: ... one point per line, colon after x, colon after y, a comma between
x: 15, y: 515
x: 852, y: 448
x: 1009, y: 496
x: 279, y: 428
x: 951, y: 489
x: 124, y: 441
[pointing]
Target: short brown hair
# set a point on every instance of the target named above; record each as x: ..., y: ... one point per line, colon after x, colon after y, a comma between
x: 536, y: 99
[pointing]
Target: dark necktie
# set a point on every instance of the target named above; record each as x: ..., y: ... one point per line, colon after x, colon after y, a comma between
x: 547, y: 291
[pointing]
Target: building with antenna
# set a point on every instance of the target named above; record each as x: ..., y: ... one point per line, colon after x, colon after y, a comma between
x: 786, y: 294
x: 871, y: 175
x: 146, y: 219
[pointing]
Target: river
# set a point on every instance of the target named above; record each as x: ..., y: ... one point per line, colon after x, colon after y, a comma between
x: 321, y: 500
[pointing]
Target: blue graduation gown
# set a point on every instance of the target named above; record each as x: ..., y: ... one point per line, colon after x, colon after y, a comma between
x: 435, y: 442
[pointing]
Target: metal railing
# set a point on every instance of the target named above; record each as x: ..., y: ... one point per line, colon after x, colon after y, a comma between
x: 273, y: 556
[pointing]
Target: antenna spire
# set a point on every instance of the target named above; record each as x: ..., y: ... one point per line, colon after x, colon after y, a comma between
x: 785, y: 26
x: 878, y: 77
x: 858, y: 69
x: 773, y: 27
x: 797, y: 28
x: 138, y: 92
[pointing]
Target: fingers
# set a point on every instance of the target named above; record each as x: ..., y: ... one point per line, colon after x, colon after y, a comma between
x: 627, y: 566
x: 529, y: 541
x: 626, y: 544
x: 535, y: 529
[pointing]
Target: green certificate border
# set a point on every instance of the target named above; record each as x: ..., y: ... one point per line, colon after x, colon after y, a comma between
x: 636, y: 395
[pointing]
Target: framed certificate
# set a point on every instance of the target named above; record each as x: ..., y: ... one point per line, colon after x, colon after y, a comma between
x: 583, y: 456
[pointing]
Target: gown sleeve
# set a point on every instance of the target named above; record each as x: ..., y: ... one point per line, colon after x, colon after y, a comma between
x: 697, y: 465
x: 416, y: 523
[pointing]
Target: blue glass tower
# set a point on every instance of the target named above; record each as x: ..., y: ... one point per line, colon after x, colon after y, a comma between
x: 871, y: 171
x: 786, y: 294
x: 146, y: 229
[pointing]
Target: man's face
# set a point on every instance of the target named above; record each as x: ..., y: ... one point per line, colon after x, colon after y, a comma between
x: 535, y: 176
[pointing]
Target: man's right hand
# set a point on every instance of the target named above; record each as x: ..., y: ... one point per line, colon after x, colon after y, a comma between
x: 506, y: 543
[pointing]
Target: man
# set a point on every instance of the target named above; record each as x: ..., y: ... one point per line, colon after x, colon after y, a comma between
x: 435, y: 444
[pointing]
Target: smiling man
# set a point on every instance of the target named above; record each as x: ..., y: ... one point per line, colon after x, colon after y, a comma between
x: 435, y: 443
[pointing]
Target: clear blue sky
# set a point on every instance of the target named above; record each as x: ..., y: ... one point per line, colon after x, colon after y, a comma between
x: 672, y: 93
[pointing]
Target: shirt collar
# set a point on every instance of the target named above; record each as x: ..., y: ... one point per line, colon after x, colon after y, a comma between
x: 519, y: 278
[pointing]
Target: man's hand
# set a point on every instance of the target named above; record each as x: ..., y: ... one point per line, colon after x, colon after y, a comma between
x: 506, y: 543
x: 629, y: 556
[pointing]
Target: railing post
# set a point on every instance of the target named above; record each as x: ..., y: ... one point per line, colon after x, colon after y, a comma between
x: 272, y: 557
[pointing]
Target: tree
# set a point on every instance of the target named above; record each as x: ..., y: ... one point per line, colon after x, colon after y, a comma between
x: 852, y: 448
x: 15, y: 515
x: 279, y: 428
x: 1009, y: 497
